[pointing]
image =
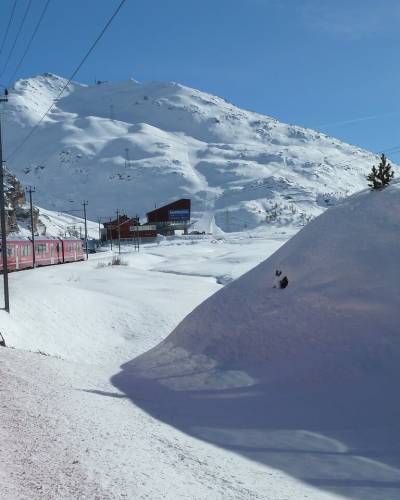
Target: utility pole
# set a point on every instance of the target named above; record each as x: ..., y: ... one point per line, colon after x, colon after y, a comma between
x: 3, y: 98
x: 111, y: 235
x: 119, y: 233
x: 137, y: 239
x: 84, y: 203
x: 31, y: 190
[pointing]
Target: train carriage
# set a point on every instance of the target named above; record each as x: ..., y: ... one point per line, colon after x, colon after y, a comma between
x: 48, y: 251
x: 19, y: 254
x: 72, y: 250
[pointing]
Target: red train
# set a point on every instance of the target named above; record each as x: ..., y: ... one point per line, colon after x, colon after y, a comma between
x: 49, y: 251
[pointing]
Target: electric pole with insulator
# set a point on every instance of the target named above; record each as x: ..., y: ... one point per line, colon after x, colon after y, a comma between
x: 3, y: 98
x: 111, y: 235
x: 85, y: 203
x: 31, y: 190
x: 119, y: 233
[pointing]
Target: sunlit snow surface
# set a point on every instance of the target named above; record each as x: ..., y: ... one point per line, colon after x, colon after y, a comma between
x: 133, y: 145
x: 68, y: 432
x: 258, y: 393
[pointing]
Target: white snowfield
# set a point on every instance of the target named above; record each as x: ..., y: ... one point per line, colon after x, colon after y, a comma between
x: 122, y: 144
x: 259, y: 393
x: 68, y: 431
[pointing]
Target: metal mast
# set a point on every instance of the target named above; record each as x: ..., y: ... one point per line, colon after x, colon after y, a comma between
x: 3, y: 98
x: 31, y: 190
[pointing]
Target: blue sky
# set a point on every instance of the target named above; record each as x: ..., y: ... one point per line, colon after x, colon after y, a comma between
x: 326, y: 64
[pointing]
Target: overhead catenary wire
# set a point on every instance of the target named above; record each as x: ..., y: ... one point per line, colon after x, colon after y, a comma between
x: 8, y: 26
x: 28, y: 7
x: 34, y: 33
x: 82, y: 62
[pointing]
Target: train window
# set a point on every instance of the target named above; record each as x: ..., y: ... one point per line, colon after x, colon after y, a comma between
x: 40, y: 248
x: 10, y: 251
x: 25, y: 250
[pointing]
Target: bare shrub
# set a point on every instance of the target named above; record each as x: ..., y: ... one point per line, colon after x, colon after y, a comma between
x: 117, y: 261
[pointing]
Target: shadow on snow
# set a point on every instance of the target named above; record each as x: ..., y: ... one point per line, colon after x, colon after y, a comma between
x: 330, y: 437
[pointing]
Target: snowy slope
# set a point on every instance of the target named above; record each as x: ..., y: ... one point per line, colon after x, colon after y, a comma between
x: 130, y: 145
x: 59, y: 223
x: 303, y: 378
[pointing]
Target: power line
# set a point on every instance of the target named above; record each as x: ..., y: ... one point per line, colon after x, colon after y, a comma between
x: 33, y: 130
x: 30, y: 41
x: 68, y: 211
x: 8, y: 26
x: 28, y: 7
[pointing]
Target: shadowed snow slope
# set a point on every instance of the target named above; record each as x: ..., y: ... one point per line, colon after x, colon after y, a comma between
x: 304, y: 378
x: 133, y: 144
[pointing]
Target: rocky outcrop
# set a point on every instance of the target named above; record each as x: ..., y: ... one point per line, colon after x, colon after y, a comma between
x: 17, y: 207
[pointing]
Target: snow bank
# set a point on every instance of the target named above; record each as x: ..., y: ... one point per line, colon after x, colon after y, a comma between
x: 338, y: 317
x: 302, y: 379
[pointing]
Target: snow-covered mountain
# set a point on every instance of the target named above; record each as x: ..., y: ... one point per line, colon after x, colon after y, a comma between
x: 130, y: 146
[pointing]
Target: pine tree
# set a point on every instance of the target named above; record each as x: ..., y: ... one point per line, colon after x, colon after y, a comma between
x: 381, y: 176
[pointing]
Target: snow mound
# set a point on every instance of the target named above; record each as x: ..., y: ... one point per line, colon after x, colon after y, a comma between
x: 338, y: 319
x: 302, y: 379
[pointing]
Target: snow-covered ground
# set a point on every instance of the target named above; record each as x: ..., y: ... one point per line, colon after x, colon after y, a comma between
x: 259, y: 393
x: 68, y: 432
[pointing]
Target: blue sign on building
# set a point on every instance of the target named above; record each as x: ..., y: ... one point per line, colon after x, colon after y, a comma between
x: 179, y: 214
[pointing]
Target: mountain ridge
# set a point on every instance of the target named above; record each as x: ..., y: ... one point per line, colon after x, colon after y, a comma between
x: 132, y: 145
